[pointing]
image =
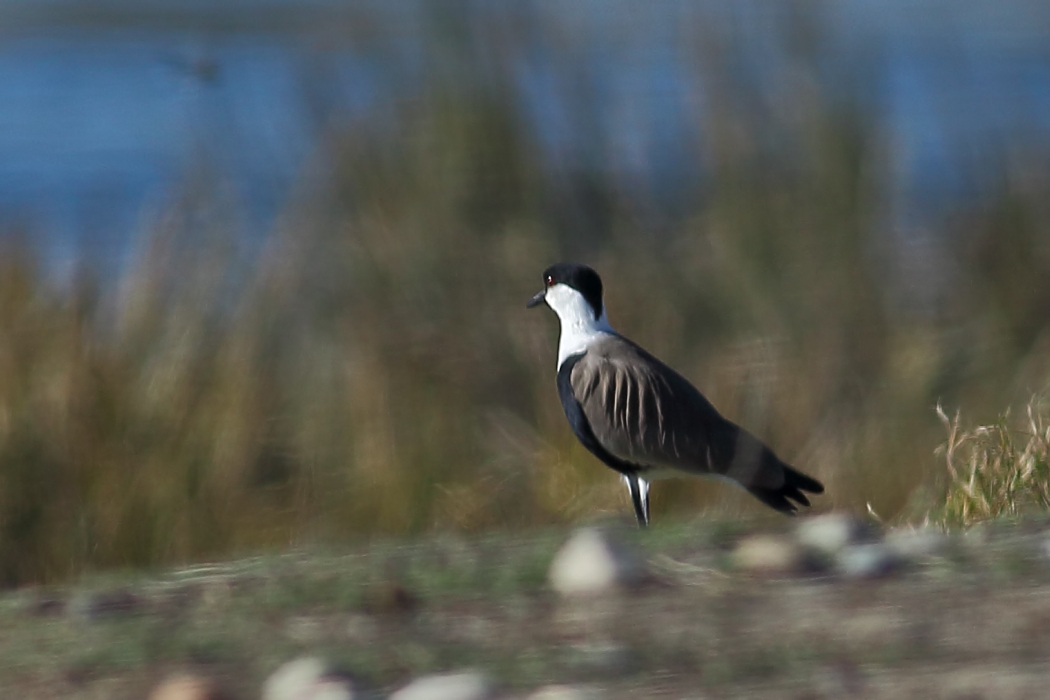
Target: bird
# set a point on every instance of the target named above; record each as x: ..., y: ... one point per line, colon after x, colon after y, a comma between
x: 643, y: 419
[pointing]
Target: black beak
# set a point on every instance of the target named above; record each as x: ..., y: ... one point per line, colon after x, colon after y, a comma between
x: 537, y: 300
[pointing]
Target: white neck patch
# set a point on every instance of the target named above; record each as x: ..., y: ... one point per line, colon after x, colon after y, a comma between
x: 579, y: 328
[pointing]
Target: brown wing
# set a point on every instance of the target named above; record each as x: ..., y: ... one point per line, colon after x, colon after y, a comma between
x: 643, y: 412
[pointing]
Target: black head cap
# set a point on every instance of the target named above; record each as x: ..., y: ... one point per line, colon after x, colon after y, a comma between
x: 581, y: 278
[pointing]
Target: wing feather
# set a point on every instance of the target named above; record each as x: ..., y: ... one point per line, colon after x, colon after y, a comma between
x: 643, y: 412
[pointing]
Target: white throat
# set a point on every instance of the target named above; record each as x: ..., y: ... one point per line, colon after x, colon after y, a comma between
x: 579, y: 328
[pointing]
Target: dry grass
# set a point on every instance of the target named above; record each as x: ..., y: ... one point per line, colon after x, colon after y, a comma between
x: 996, y: 470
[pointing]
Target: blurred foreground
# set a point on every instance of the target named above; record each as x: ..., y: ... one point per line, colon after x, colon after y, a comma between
x: 374, y: 370
x: 941, y: 617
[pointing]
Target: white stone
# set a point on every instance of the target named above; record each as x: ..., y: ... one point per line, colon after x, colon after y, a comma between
x: 828, y: 534
x: 468, y: 685
x: 592, y: 562
x: 331, y: 690
x: 566, y: 692
x: 867, y: 561
x: 308, y: 678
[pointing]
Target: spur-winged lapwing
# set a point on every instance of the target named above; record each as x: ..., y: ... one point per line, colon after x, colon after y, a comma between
x: 641, y: 417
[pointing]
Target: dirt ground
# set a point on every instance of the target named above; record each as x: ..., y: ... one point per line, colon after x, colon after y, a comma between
x: 971, y: 621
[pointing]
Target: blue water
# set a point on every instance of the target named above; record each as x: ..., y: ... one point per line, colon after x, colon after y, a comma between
x: 101, y: 120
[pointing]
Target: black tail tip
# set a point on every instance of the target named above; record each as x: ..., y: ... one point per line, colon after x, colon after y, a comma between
x: 802, y: 482
x: 795, y: 482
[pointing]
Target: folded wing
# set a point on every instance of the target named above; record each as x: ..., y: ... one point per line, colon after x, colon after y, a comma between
x: 641, y: 411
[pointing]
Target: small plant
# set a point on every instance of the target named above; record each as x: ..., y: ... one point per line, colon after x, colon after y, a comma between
x: 996, y: 470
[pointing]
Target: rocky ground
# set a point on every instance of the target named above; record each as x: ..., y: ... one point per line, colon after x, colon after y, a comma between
x: 828, y: 607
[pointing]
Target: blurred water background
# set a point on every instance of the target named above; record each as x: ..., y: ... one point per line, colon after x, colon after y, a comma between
x: 264, y: 263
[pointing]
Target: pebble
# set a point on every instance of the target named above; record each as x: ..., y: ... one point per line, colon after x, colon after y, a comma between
x: 828, y: 534
x: 307, y: 678
x: 592, y: 562
x: 468, y: 685
x: 566, y: 692
x: 865, y: 561
x: 186, y: 687
x: 767, y: 554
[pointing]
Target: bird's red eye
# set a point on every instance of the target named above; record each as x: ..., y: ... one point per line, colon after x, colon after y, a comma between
x: 549, y: 281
